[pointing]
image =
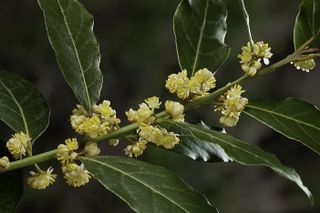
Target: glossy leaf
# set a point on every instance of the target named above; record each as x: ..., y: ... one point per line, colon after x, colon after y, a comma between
x: 295, y: 119
x: 200, y: 29
x: 70, y: 31
x: 200, y: 150
x: 22, y: 107
x: 11, y: 187
x: 146, y: 188
x: 307, y: 23
x: 232, y: 149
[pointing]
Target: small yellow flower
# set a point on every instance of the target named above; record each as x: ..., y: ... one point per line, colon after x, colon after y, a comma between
x: 175, y: 109
x: 104, y: 109
x: 153, y: 102
x: 262, y: 50
x: 175, y: 81
x: 179, y: 84
x: 75, y: 175
x: 305, y: 65
x: 66, y: 152
x: 4, y: 163
x: 183, y: 91
x: 132, y: 115
x: 41, y: 179
x: 250, y: 58
x: 102, y: 120
x: 233, y: 105
x: 136, y: 149
x: 205, y: 79
x: 72, y: 144
x: 145, y: 114
x: 229, y: 121
x: 91, y: 149
x: 17, y: 145
x: 149, y: 133
x: 113, y: 142
x: 252, y: 67
x: 169, y: 139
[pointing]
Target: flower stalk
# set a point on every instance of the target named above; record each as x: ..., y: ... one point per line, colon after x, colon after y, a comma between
x: 130, y: 128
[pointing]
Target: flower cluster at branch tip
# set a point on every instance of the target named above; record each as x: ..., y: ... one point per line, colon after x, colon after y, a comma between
x: 18, y: 144
x: 252, y: 53
x: 305, y: 65
x: 232, y: 104
x: 4, y: 163
x: 41, y: 179
x: 149, y: 132
x: 198, y: 85
x: 75, y: 175
x: 102, y: 121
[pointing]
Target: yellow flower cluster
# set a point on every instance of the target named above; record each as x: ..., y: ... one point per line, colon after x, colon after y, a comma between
x: 197, y: 86
x: 4, y: 163
x: 76, y: 175
x: 158, y: 136
x: 136, y: 149
x: 250, y: 58
x: 305, y: 65
x: 18, y: 144
x: 145, y: 113
x: 102, y: 120
x: 41, y: 179
x: 147, y: 132
x: 66, y: 152
x: 232, y: 106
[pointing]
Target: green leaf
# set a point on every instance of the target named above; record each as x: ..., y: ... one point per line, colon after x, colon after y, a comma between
x: 11, y: 187
x: 198, y: 149
x: 146, y: 188
x: 70, y: 31
x: 295, y: 119
x: 22, y: 107
x: 307, y: 23
x: 200, y: 29
x: 232, y: 149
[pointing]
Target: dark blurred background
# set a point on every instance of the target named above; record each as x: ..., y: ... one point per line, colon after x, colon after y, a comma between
x: 138, y: 52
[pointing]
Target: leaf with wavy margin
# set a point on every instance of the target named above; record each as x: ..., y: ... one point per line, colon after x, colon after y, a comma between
x: 233, y: 149
x: 146, y: 188
x: 70, y: 31
x: 200, y: 29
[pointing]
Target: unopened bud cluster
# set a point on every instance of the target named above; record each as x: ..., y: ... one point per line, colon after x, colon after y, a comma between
x: 305, y: 65
x: 251, y: 56
x: 149, y: 132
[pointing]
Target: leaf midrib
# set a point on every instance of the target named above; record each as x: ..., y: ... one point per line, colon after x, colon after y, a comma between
x: 137, y: 180
x: 283, y: 116
x: 200, y: 38
x: 76, y: 52
x: 19, y: 107
x: 233, y: 145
